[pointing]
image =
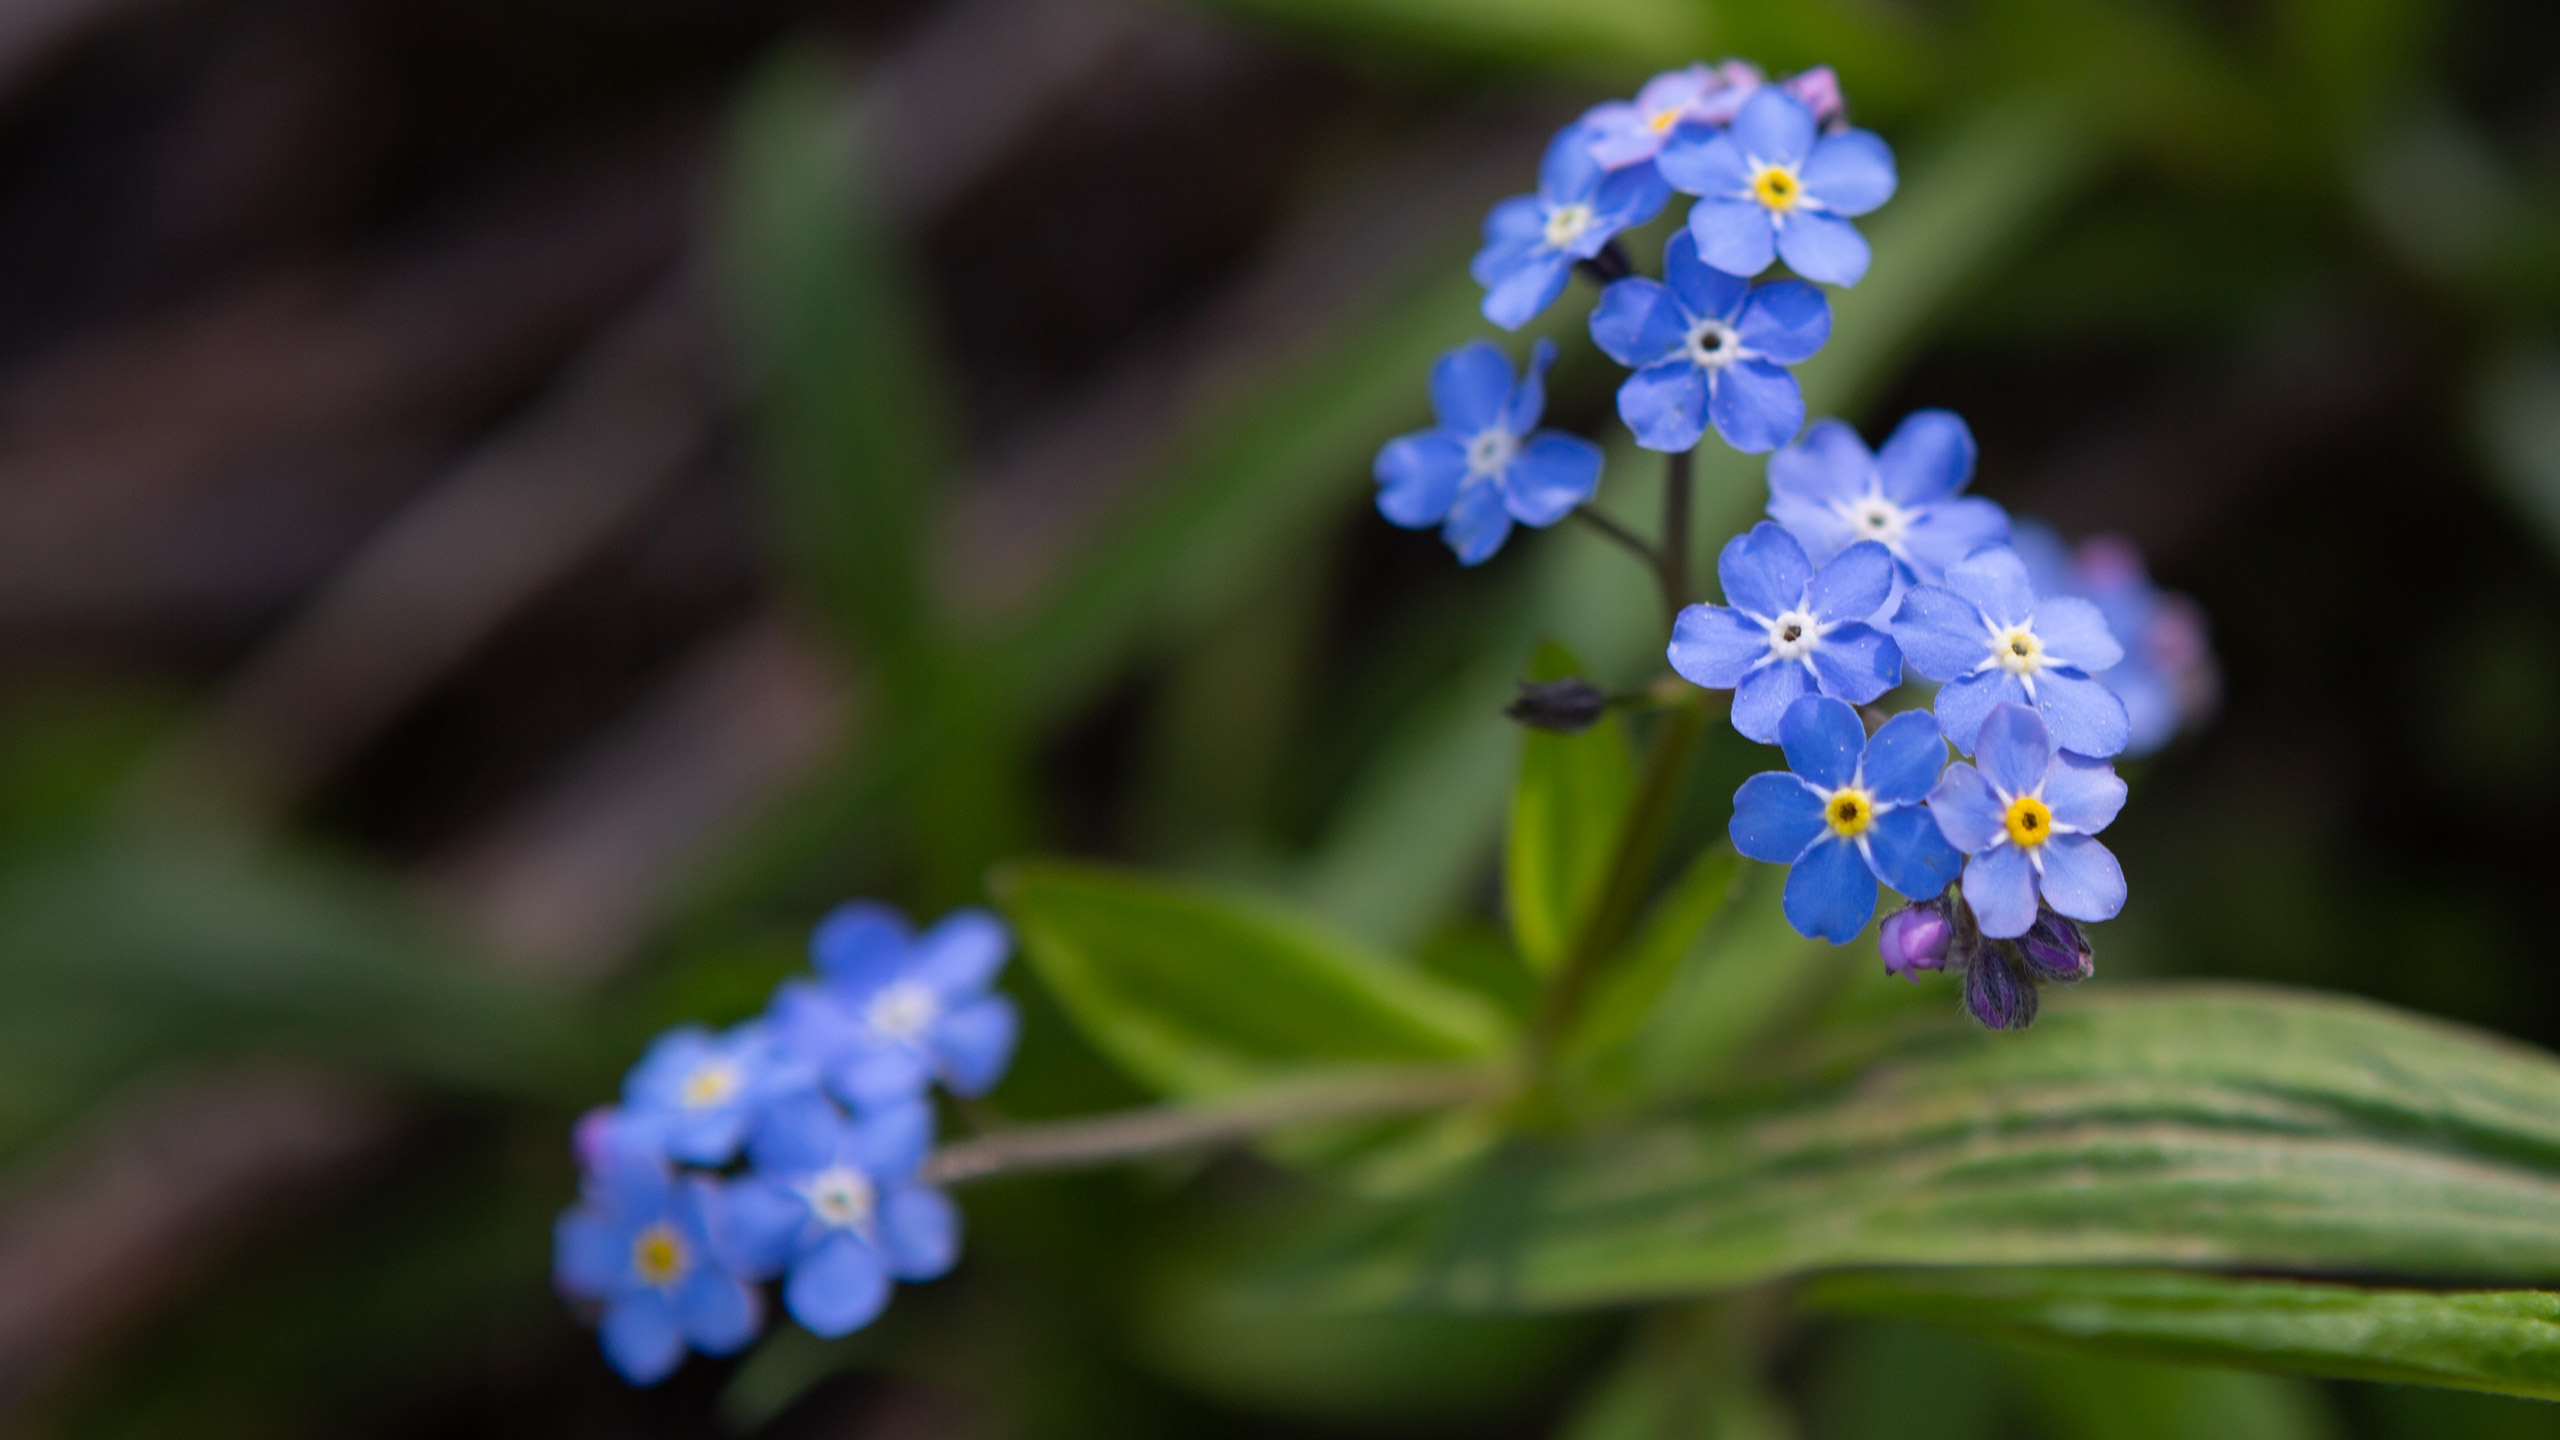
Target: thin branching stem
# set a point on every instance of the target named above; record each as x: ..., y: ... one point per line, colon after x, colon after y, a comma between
x: 1674, y: 562
x: 1635, y: 543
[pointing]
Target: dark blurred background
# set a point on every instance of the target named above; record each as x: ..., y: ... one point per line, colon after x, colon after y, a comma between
x: 443, y: 541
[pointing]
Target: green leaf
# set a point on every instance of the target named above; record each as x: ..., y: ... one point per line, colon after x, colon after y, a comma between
x: 2189, y: 1126
x: 1565, y: 814
x: 2501, y: 1340
x: 1194, y: 992
x: 1598, y: 1049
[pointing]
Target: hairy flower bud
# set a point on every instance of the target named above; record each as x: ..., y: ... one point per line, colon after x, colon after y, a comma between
x: 2056, y: 950
x: 1997, y: 994
x: 1567, y: 707
x: 1916, y: 938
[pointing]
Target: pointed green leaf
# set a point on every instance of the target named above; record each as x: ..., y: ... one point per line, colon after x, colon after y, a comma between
x: 1565, y: 815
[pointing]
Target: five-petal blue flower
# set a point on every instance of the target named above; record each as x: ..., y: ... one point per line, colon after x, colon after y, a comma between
x: 1772, y: 186
x: 2025, y: 817
x: 1623, y: 133
x: 639, y: 1245
x: 2167, y: 678
x: 1831, y: 492
x: 1789, y: 629
x: 1849, y: 815
x: 1706, y: 345
x: 1991, y: 640
x: 1531, y: 241
x: 894, y: 1010
x: 1487, y: 464
x: 698, y: 1091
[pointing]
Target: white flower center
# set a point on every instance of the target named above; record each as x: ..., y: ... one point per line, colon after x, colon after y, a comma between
x: 1566, y: 225
x: 1873, y: 517
x: 1713, y: 344
x: 1794, y: 635
x: 1491, y: 452
x: 903, y: 1011
x: 840, y: 1197
x: 2017, y: 650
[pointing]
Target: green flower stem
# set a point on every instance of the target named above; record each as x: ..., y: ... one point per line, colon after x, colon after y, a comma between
x: 1370, y: 1094
x: 1620, y: 535
x: 1676, y: 490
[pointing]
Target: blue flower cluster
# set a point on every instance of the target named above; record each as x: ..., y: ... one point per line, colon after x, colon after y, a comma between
x: 791, y: 1146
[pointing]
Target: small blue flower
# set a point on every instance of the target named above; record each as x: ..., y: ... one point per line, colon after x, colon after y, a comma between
x: 638, y: 1245
x: 1487, y: 464
x: 893, y: 1011
x: 1991, y: 640
x: 2026, y: 818
x: 1773, y: 186
x: 698, y: 1092
x: 1849, y: 815
x: 2167, y: 679
x: 1624, y: 133
x: 1531, y: 241
x: 834, y: 1206
x: 1790, y: 629
x: 1706, y: 345
x: 1831, y: 492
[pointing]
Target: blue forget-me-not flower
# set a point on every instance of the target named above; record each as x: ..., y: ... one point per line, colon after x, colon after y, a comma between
x: 894, y: 1010
x: 1985, y: 634
x: 1848, y: 816
x: 1788, y: 629
x: 1623, y: 132
x: 1772, y: 186
x: 2025, y: 812
x: 1831, y: 492
x: 1531, y: 241
x: 2167, y: 679
x: 834, y: 1206
x: 1707, y: 345
x: 1487, y: 464
x: 698, y: 1091
x: 639, y: 1245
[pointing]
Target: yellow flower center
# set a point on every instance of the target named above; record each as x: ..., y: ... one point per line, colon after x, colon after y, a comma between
x: 709, y: 1085
x: 658, y: 1256
x: 1776, y: 187
x: 2029, y: 822
x: 1849, y: 812
x: 1664, y: 119
x: 2019, y: 651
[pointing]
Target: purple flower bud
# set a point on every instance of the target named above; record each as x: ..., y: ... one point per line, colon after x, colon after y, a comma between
x: 1916, y: 938
x: 2056, y: 950
x: 1567, y: 707
x: 1819, y: 89
x: 1998, y: 996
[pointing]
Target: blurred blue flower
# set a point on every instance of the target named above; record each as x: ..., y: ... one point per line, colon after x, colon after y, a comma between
x: 2167, y: 679
x: 1772, y: 185
x: 1623, y: 133
x: 638, y: 1245
x: 1487, y: 464
x: 1831, y: 492
x: 1986, y: 634
x: 1790, y: 630
x: 2025, y: 817
x: 834, y: 1206
x: 1531, y: 241
x: 893, y: 1010
x: 697, y: 1092
x: 1849, y: 815
x: 1706, y: 345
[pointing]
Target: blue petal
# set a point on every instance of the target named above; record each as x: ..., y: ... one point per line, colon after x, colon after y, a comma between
x: 1928, y: 457
x: 1470, y: 386
x: 1995, y: 580
x: 1823, y: 247
x: 1567, y: 172
x: 2000, y: 885
x: 879, y: 1075
x: 2085, y: 795
x: 590, y: 1255
x: 1764, y: 571
x: 1967, y: 809
x: 1713, y: 646
x: 1904, y: 757
x: 893, y: 1140
x: 1733, y: 236
x: 1528, y: 285
x: 717, y: 1311
x: 919, y: 1232
x: 1850, y: 173
x: 1830, y: 465
x: 1477, y: 523
x: 1856, y: 663
x: 1762, y: 698
x: 1511, y: 229
x: 640, y: 1338
x: 1702, y: 288
x: 2081, y: 879
x: 961, y: 954
x: 1786, y: 321
x: 1529, y: 397
x: 1637, y: 322
x: 1628, y: 197
x: 1620, y: 135
x: 1756, y: 406
x: 1962, y: 703
x: 1774, y: 126
x: 860, y: 945
x: 1553, y: 473
x: 707, y: 1137
x: 2013, y: 749
x: 2085, y: 717
x: 1830, y: 893
x: 1665, y: 406
x: 837, y: 1288
x: 1940, y: 632
x: 2074, y: 632
x: 1823, y: 741
x: 1907, y: 853
x: 1775, y: 817
x: 754, y: 1226
x: 1854, y: 585
x: 2151, y: 706
x: 796, y: 1135
x: 1699, y: 161
x: 1948, y: 531
x: 1418, y: 477
x: 976, y: 1044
